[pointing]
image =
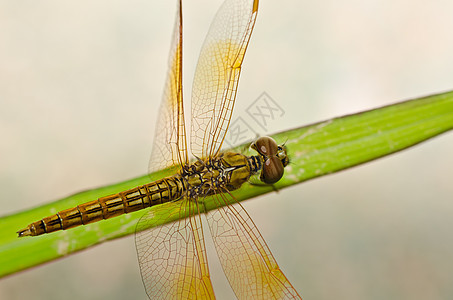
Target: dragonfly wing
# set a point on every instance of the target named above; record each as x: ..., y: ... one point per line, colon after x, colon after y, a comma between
x: 217, y: 74
x: 172, y: 257
x: 170, y: 146
x: 247, y: 261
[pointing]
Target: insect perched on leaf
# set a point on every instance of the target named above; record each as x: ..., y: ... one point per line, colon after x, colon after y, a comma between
x: 172, y: 257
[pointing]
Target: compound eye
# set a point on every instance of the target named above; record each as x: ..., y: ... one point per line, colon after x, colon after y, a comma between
x: 272, y: 170
x: 265, y: 146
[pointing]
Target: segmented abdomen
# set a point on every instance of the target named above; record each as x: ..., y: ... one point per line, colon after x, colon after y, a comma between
x: 157, y: 192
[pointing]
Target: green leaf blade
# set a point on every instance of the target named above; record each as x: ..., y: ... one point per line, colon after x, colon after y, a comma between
x: 314, y: 150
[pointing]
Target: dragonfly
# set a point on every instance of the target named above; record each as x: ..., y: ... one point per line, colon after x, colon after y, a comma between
x: 172, y: 257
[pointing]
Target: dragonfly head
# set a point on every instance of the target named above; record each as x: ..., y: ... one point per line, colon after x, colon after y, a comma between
x: 274, y: 157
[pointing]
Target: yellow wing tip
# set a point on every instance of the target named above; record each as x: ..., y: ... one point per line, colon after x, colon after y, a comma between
x: 255, y: 6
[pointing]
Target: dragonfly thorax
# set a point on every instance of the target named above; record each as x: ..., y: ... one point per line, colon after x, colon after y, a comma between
x: 228, y: 171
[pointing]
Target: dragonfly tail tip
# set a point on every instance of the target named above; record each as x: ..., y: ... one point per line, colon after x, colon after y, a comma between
x: 24, y: 232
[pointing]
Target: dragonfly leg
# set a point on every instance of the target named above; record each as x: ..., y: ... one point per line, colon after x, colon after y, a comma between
x: 262, y: 184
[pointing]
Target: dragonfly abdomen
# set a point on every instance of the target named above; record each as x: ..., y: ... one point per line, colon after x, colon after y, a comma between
x: 157, y: 192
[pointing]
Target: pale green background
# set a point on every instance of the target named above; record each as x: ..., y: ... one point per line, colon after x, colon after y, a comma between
x: 79, y: 85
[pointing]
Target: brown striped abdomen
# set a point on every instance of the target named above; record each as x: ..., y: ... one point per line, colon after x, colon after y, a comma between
x: 157, y: 192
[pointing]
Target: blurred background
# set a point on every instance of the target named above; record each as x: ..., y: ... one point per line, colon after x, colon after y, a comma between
x: 80, y: 83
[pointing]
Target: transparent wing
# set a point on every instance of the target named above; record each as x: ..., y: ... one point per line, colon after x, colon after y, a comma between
x: 170, y: 146
x: 247, y: 262
x: 172, y: 257
x: 217, y: 75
